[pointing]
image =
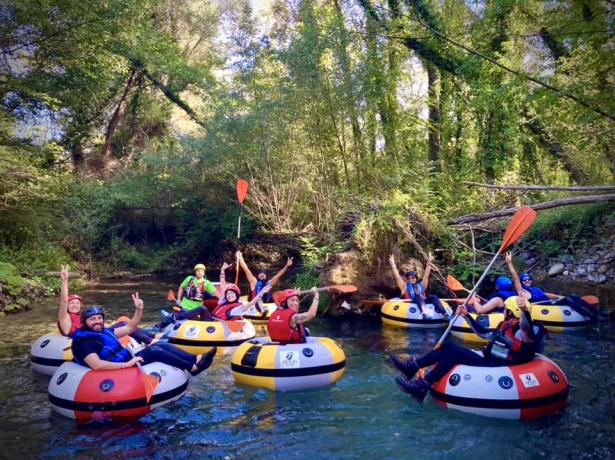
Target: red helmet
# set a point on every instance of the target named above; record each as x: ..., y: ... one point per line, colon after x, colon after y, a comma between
x: 232, y: 287
x: 75, y: 297
x: 283, y: 296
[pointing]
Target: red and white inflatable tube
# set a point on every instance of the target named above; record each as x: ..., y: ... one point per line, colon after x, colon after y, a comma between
x: 522, y: 392
x: 84, y: 394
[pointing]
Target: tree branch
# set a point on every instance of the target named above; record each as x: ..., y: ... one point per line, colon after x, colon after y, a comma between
x: 543, y: 187
x: 546, y: 205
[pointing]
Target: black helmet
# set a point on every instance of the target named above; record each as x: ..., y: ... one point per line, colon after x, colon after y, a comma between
x: 92, y: 311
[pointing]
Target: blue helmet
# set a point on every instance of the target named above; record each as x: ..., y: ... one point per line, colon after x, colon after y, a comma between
x: 92, y: 311
x: 503, y: 283
x: 525, y: 276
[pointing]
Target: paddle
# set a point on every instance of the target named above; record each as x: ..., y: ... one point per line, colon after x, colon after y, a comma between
x: 455, y: 285
x: 518, y: 225
x: 234, y: 326
x: 242, y: 191
x: 149, y: 381
x: 337, y: 288
x: 590, y: 299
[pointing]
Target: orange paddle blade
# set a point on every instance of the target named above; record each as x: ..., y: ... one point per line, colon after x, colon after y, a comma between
x: 454, y: 284
x: 235, y: 326
x: 341, y: 288
x: 149, y: 383
x: 242, y: 190
x: 519, y: 224
x: 591, y: 299
x: 171, y: 296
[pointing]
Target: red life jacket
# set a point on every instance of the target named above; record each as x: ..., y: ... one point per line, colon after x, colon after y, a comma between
x: 75, y: 323
x: 223, y: 311
x: 506, y: 346
x: 280, y: 330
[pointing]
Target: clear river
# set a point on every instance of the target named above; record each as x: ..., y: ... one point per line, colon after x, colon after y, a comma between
x: 363, y: 416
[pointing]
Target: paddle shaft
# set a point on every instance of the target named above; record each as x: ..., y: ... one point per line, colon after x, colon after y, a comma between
x: 465, y: 302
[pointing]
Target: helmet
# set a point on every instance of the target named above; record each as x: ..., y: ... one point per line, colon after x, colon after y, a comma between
x: 92, y: 311
x: 525, y: 276
x: 503, y: 282
x: 199, y: 267
x: 233, y: 288
x: 286, y: 294
x: 411, y: 273
x: 511, y: 306
x: 75, y: 297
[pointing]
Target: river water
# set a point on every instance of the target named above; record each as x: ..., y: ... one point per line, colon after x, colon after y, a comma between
x: 363, y: 416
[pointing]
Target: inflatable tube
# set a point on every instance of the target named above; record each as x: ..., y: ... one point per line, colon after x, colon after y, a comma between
x: 198, y: 337
x: 559, y: 318
x: 302, y: 366
x: 400, y: 313
x: 556, y: 318
x: 85, y: 395
x: 462, y: 330
x: 49, y: 352
x: 522, y: 392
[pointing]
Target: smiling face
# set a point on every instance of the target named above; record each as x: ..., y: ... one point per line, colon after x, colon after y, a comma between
x: 74, y: 306
x: 230, y: 296
x: 262, y: 276
x: 411, y: 279
x: 200, y: 273
x: 96, y: 323
x: 293, y: 302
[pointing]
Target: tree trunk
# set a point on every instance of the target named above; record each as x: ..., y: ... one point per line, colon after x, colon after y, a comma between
x: 433, y: 101
x: 116, y: 117
x: 542, y: 187
x: 469, y: 218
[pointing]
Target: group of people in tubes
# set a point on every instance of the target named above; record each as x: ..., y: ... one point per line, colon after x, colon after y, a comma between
x: 514, y: 341
x: 97, y: 346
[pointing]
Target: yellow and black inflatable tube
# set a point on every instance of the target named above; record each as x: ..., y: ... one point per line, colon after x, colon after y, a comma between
x: 198, y: 337
x: 302, y: 366
x: 403, y: 314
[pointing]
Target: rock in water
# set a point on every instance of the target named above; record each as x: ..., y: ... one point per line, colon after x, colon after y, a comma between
x: 556, y: 269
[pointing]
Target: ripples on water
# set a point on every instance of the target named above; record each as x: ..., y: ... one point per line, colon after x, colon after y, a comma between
x: 362, y: 416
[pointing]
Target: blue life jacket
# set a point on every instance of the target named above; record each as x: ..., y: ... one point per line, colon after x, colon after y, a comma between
x: 413, y: 289
x: 503, y: 294
x: 259, y: 287
x: 112, y: 350
x: 538, y: 295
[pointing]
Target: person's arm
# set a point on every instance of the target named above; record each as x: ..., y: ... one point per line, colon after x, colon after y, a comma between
x: 526, y: 325
x: 478, y: 329
x: 428, y: 266
x: 281, y: 273
x: 64, y: 322
x: 97, y: 364
x: 223, y: 275
x: 552, y: 296
x: 246, y: 270
x: 256, y: 299
x: 310, y: 314
x: 180, y: 291
x: 131, y: 325
x: 400, y: 282
x: 515, y: 277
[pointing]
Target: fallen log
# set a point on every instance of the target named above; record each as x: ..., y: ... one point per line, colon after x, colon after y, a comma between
x: 469, y: 218
x: 576, y: 188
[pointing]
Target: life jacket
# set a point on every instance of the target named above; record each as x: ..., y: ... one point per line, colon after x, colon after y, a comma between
x: 259, y: 287
x: 194, y: 291
x: 75, y: 323
x: 413, y: 289
x: 506, y: 346
x: 280, y: 330
x: 538, y: 295
x: 502, y: 294
x: 223, y: 311
x: 112, y: 350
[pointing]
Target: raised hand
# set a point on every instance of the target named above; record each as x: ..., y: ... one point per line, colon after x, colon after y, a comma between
x: 225, y: 266
x: 137, y: 301
x: 508, y: 257
x: 392, y: 260
x: 289, y: 262
x: 64, y: 273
